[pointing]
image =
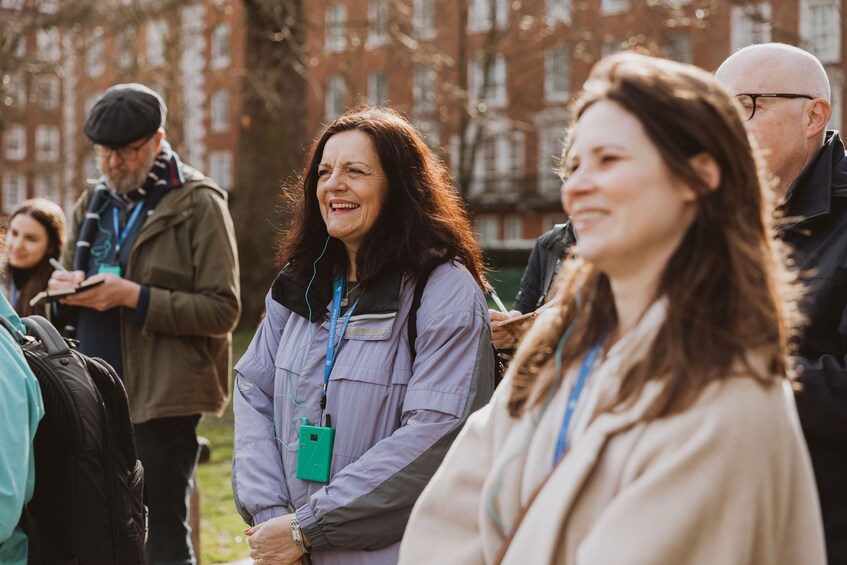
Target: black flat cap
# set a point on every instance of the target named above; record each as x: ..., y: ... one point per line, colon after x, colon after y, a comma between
x: 125, y: 113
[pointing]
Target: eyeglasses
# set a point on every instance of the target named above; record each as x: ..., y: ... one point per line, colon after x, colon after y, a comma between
x: 748, y: 101
x: 126, y: 153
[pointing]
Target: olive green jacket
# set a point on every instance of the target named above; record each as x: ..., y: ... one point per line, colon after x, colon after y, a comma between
x: 178, y: 363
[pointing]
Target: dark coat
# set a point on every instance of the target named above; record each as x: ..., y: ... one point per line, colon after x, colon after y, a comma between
x: 548, y: 250
x: 816, y: 207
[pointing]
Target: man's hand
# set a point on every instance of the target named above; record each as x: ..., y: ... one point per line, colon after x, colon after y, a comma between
x: 61, y: 280
x: 115, y: 291
x: 501, y: 338
x: 271, y: 542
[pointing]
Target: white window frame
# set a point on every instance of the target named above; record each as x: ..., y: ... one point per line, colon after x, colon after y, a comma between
x: 678, y: 46
x: 513, y: 228
x: 377, y: 88
x: 125, y: 47
x: 14, y: 190
x: 47, y: 186
x: 335, y: 20
x: 12, y: 4
x: 94, y: 63
x: 221, y: 46
x: 221, y: 168
x: 423, y: 89
x: 553, y: 73
x: 429, y: 130
x: 336, y: 93
x: 551, y: 142
x: 219, y: 111
x: 745, y: 29
x: 820, y: 28
x: 559, y: 10
x: 14, y: 142
x: 495, y: 95
x: 157, y: 38
x: 480, y: 17
x: 611, y: 7
x: 487, y: 229
x: 500, y: 163
x: 47, y: 139
x: 47, y: 42
x: 423, y: 18
x: 47, y: 91
x: 379, y: 20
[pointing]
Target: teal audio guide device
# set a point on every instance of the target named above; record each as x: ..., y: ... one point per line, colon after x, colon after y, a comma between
x: 314, y: 454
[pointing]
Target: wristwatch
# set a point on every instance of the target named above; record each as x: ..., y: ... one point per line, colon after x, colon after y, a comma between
x: 297, y: 535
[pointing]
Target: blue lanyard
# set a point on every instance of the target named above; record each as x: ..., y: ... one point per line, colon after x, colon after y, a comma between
x: 331, y: 346
x: 563, y: 442
x: 13, y: 291
x: 120, y: 236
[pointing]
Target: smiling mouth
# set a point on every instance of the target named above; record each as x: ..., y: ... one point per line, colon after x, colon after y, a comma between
x: 343, y: 206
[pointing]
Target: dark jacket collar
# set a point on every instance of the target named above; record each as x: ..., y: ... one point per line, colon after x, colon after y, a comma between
x: 810, y: 195
x: 381, y: 296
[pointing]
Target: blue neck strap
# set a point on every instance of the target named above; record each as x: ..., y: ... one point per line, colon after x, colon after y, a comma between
x: 120, y: 236
x: 563, y: 443
x: 331, y: 346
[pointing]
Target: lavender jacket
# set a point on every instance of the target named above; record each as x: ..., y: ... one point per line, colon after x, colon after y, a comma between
x: 394, y: 418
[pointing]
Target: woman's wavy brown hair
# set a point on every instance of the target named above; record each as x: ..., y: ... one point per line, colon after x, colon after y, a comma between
x: 423, y: 219
x: 727, y: 289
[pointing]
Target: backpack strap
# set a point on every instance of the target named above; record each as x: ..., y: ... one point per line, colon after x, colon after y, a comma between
x: 19, y: 337
x: 412, y: 323
x: 53, y: 341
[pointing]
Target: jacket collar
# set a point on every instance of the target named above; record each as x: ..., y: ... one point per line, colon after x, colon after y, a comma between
x: 810, y: 195
x: 380, y: 296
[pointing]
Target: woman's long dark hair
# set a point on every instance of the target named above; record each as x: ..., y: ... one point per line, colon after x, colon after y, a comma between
x: 51, y: 216
x: 423, y: 219
x: 728, y: 291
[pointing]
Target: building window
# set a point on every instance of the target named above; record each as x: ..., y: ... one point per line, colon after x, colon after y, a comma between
x: 491, y: 88
x: 559, y: 10
x: 513, y: 228
x: 423, y: 18
x: 94, y: 64
x: 47, y: 143
x: 428, y: 129
x: 335, y: 94
x: 487, y: 230
x: 423, y: 89
x: 482, y: 14
x: 678, y: 47
x: 550, y: 145
x: 126, y: 48
x: 47, y: 91
x: 336, y: 27
x: 47, y: 45
x: 14, y: 142
x: 377, y: 22
x: 557, y: 73
x: 14, y: 190
x: 12, y: 4
x: 48, y: 6
x: 613, y: 6
x: 377, y: 88
x: 750, y: 24
x: 835, y: 99
x: 157, y: 35
x: 16, y: 91
x: 820, y: 28
x: 20, y: 48
x: 220, y: 168
x: 499, y: 165
x: 47, y: 186
x: 220, y: 46
x: 609, y: 47
x: 219, y: 102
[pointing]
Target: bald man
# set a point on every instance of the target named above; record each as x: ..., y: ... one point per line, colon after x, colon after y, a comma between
x: 785, y: 94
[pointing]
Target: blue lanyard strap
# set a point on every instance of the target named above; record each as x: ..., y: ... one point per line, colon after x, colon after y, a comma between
x: 120, y: 236
x: 331, y: 346
x: 563, y: 443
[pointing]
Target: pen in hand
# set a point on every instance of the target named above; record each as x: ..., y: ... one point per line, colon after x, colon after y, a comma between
x: 56, y: 265
x: 497, y: 301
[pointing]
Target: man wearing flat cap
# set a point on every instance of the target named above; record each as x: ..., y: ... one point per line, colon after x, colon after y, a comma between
x: 159, y: 235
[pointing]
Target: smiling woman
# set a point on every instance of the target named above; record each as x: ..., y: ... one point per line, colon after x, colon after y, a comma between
x: 340, y: 420
x: 36, y: 234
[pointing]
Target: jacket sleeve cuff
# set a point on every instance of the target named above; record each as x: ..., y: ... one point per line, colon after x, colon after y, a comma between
x: 142, y: 306
x: 309, y: 525
x: 268, y: 513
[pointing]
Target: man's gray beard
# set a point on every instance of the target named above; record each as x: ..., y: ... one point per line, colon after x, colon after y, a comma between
x: 131, y: 181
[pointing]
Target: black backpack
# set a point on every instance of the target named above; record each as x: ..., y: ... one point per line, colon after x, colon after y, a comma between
x: 88, y: 506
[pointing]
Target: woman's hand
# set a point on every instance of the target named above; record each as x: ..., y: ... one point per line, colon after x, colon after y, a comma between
x: 501, y: 337
x: 271, y: 543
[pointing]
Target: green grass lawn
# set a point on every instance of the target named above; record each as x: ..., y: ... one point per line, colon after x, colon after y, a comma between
x: 221, y: 528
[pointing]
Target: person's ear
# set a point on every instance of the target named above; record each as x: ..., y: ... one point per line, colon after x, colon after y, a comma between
x: 707, y: 169
x: 817, y: 117
x: 160, y: 136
